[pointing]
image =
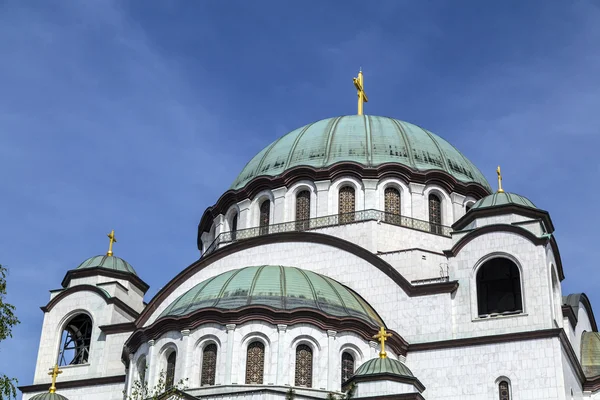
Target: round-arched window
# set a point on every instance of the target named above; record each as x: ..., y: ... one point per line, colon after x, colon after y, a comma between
x: 498, y: 287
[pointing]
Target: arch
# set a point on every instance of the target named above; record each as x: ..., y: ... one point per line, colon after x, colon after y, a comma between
x: 256, y: 204
x: 303, y: 366
x: 209, y: 364
x: 504, y: 388
x: 392, y: 205
x: 468, y: 206
x: 334, y: 198
x: 302, y: 216
x: 232, y: 220
x: 76, y: 339
x: 434, y: 207
x: 499, y: 286
x: 348, y: 366
x: 255, y: 362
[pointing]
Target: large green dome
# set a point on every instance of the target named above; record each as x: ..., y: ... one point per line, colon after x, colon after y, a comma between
x: 363, y: 139
x: 277, y: 287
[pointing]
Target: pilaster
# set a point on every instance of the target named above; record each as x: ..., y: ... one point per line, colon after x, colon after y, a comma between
x: 229, y: 361
x: 371, y: 199
x: 457, y: 207
x: 419, y: 209
x: 278, y: 205
x: 323, y: 198
x: 130, y: 375
x: 219, y: 225
x: 152, y: 363
x: 185, y: 360
x: 244, y: 219
x: 281, y: 367
x: 331, y: 361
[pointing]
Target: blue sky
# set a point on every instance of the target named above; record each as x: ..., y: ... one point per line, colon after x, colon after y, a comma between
x: 136, y: 116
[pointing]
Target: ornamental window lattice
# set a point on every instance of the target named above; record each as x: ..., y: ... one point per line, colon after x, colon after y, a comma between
x: 302, y: 210
x: 209, y: 365
x: 347, y: 367
x: 435, y: 214
x: 304, y: 360
x: 76, y: 339
x: 170, y: 377
x: 234, y: 226
x: 263, y: 223
x: 255, y: 363
x: 346, y: 206
x: 503, y: 391
x: 392, y: 205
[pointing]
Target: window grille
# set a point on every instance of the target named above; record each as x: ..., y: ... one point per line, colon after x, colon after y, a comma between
x: 346, y: 207
x: 435, y: 214
x: 392, y: 205
x: 76, y: 339
x: 503, y: 391
x: 234, y: 226
x: 170, y: 377
x: 303, y: 210
x: 347, y: 367
x: 265, y: 210
x: 255, y: 363
x: 209, y: 365
x: 304, y: 360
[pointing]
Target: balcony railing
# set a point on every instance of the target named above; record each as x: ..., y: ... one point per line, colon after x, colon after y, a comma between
x: 329, y: 221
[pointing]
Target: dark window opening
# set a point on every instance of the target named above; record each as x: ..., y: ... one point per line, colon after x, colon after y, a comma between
x: 347, y: 205
x: 347, y: 367
x: 503, y: 391
x: 76, y: 339
x: 392, y: 205
x: 303, y: 210
x: 170, y: 377
x: 234, y: 227
x: 499, y: 287
x: 265, y: 211
x: 435, y: 214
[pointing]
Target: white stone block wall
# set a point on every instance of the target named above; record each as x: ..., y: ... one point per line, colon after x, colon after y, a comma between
x: 96, y: 392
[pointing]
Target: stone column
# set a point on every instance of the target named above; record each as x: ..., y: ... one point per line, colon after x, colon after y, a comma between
x: 323, y: 198
x: 244, y: 219
x: 279, y: 205
x: 331, y: 361
x: 419, y: 203
x: 152, y: 363
x: 220, y: 225
x: 187, y: 354
x: 130, y: 375
x: 371, y: 199
x: 229, y: 361
x: 281, y: 367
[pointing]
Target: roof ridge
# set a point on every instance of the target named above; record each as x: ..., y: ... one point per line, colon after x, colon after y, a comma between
x: 330, y: 135
x: 402, y: 134
x: 293, y: 148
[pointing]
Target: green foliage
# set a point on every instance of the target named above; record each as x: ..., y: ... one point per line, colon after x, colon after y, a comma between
x: 7, y: 321
x: 290, y: 395
x: 141, y: 391
x: 346, y: 396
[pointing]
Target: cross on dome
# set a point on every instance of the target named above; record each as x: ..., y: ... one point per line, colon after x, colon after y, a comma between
x: 55, y: 372
x: 112, y: 238
x: 381, y: 337
x: 500, y: 190
x: 360, y: 88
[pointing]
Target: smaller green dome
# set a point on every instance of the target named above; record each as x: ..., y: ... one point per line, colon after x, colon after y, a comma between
x: 502, y: 199
x: 388, y: 366
x: 48, y: 396
x: 590, y: 353
x: 107, y: 262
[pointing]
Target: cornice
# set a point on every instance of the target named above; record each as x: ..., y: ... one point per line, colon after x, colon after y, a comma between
x: 386, y: 376
x: 287, y: 237
x: 495, y: 211
x: 345, y: 168
x: 94, y: 289
x: 90, y: 382
x: 95, y: 271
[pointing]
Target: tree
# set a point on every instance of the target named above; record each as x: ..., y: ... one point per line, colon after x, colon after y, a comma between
x: 141, y: 391
x: 7, y: 321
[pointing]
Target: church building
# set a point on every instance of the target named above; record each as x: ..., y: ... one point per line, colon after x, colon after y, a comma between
x: 355, y: 257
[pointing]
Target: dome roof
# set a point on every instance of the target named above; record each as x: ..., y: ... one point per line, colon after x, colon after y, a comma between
x: 277, y: 287
x: 590, y: 353
x: 107, y: 262
x: 386, y: 365
x: 48, y: 396
x: 502, y: 199
x: 363, y: 139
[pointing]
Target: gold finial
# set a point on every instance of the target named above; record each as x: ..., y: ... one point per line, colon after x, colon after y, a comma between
x: 382, y: 336
x: 360, y: 88
x: 55, y: 372
x: 500, y: 190
x: 112, y: 238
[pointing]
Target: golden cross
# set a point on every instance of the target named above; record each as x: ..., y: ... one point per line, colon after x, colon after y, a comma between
x: 382, y: 336
x: 55, y: 372
x: 112, y: 238
x: 500, y: 190
x: 360, y: 88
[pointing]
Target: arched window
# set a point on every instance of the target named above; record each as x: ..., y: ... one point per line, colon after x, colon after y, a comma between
x: 392, y: 205
x: 265, y: 211
x: 346, y: 204
x: 504, y: 390
x: 468, y: 207
x: 347, y: 366
x: 141, y: 369
x: 498, y: 287
x: 209, y: 365
x: 304, y: 359
x: 255, y: 363
x: 435, y: 214
x: 302, y: 210
x: 76, y: 339
x: 234, y: 227
x: 170, y: 377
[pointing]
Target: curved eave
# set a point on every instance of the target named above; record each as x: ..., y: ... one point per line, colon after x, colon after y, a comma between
x: 95, y: 271
x: 340, y: 169
x: 493, y: 211
x: 570, y: 309
x: 259, y: 313
x: 294, y: 237
x: 386, y: 376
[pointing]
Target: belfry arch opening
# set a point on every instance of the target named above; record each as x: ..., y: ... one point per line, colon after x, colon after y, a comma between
x: 75, y: 341
x: 499, y: 288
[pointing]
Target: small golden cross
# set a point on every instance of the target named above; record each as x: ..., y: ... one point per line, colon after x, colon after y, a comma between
x: 381, y: 337
x: 500, y: 190
x: 360, y: 88
x: 112, y: 238
x: 55, y: 372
